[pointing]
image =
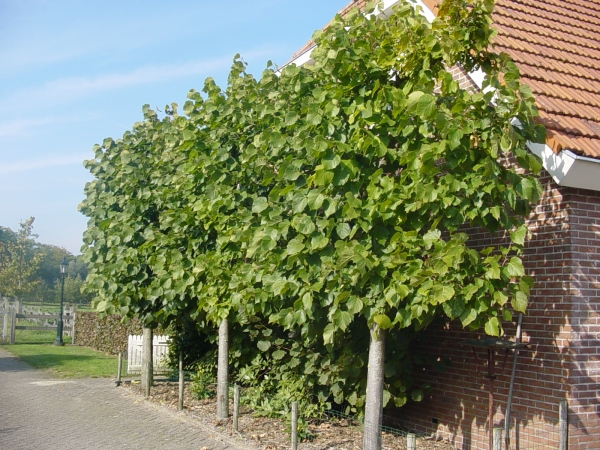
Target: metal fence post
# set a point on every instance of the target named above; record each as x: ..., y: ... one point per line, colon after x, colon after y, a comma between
x: 563, y: 425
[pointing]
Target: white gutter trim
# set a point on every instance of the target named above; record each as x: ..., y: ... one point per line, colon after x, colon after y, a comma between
x: 581, y: 158
x: 568, y: 169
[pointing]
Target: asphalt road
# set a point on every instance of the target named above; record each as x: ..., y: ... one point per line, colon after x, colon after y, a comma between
x: 38, y: 411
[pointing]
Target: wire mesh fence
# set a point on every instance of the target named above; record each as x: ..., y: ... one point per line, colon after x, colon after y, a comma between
x: 265, y: 422
x: 533, y: 435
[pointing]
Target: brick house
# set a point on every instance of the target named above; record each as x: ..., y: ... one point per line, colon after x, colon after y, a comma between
x: 556, y: 44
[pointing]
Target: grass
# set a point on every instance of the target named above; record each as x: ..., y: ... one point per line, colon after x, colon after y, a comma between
x: 70, y: 361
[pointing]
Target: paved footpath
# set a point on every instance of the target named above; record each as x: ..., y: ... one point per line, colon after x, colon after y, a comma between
x: 38, y: 411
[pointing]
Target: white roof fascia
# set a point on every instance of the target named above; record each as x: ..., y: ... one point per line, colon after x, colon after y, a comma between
x: 569, y: 169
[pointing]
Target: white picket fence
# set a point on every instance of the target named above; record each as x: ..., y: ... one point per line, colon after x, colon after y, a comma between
x: 160, y: 351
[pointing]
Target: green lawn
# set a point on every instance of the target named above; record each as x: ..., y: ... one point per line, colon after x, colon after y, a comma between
x: 70, y: 361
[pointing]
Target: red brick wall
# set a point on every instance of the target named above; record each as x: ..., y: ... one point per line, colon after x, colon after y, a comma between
x: 562, y: 325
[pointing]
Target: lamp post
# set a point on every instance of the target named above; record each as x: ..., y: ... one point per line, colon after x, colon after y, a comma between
x: 64, y: 265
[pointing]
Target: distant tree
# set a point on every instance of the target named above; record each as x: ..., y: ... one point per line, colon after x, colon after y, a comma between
x: 72, y: 292
x: 19, y: 260
x: 50, y: 258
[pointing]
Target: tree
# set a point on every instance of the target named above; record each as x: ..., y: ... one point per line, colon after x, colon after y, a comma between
x: 18, y: 260
x: 72, y: 290
x: 329, y: 201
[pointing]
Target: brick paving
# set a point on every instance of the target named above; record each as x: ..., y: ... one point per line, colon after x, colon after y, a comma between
x: 38, y: 411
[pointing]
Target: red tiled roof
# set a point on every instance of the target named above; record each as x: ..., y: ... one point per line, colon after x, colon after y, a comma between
x: 556, y: 45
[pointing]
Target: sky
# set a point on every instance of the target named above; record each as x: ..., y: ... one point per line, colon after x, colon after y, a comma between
x: 75, y: 72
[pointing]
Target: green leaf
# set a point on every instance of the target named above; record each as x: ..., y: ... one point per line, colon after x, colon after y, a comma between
x: 431, y: 237
x: 443, y: 293
x: 518, y: 236
x: 422, y: 104
x: 299, y: 202
x: 328, y: 334
x: 303, y: 224
x: 318, y: 242
x: 417, y: 395
x: 514, y: 268
x: 278, y: 354
x: 386, y: 397
x: 307, y: 301
x: 259, y: 205
x: 342, y: 319
x: 400, y: 400
x: 519, y: 302
x: 294, y: 247
x: 527, y: 190
x: 263, y: 345
x: 500, y: 297
x: 313, y: 118
x: 492, y: 326
x: 354, y: 304
x: 352, y: 399
x: 468, y: 316
x: 315, y: 199
x: 383, y: 321
x: 280, y: 286
x: 291, y: 118
x: 343, y: 230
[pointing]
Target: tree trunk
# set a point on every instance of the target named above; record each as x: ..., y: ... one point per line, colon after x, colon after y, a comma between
x: 374, y: 400
x: 147, y: 366
x: 223, y: 372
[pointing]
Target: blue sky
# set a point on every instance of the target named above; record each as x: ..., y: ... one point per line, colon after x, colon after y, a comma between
x: 75, y: 72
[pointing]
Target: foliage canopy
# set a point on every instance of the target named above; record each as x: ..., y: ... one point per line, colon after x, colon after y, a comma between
x: 318, y: 200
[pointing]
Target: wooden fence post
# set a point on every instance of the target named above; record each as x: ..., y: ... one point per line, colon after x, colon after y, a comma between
x: 236, y: 406
x: 13, y: 321
x: 411, y: 441
x: 181, y: 381
x: 223, y: 371
x: 5, y: 324
x: 147, y: 365
x: 73, y: 325
x: 294, y: 425
x: 119, y: 365
x: 563, y: 425
x: 497, y: 438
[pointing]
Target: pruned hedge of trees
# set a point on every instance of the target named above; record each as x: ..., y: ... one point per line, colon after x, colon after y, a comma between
x: 318, y: 210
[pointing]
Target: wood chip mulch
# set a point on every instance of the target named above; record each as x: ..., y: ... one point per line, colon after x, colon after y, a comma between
x: 273, y: 434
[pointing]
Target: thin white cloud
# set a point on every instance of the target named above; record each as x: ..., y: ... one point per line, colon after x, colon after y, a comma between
x: 40, y: 163
x: 21, y: 127
x: 75, y: 88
